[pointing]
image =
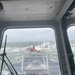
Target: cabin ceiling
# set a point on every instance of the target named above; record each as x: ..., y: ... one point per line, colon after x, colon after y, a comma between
x: 28, y: 10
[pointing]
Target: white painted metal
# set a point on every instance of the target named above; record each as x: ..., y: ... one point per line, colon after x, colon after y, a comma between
x: 44, y: 60
x: 22, y: 65
x: 47, y: 63
x: 64, y: 9
x: 24, y: 10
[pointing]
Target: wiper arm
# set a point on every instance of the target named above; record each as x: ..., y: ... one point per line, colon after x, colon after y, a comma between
x: 3, y: 61
x: 7, y: 67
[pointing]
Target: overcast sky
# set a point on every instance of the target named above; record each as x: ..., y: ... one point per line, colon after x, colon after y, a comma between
x: 32, y: 34
x: 71, y: 32
x: 35, y: 34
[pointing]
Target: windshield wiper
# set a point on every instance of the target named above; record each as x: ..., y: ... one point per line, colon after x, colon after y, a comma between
x: 9, y: 66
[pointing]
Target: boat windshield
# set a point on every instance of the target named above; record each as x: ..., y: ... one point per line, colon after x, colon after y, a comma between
x: 31, y: 51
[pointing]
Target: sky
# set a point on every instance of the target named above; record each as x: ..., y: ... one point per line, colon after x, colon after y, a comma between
x: 35, y: 34
x: 30, y: 34
x: 71, y: 33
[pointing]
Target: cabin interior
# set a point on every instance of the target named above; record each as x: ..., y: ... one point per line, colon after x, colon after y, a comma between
x: 58, y: 15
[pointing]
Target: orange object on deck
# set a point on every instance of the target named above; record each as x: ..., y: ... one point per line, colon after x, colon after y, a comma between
x: 33, y: 49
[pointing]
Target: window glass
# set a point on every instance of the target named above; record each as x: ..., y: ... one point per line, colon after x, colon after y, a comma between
x: 32, y: 51
x: 71, y: 36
